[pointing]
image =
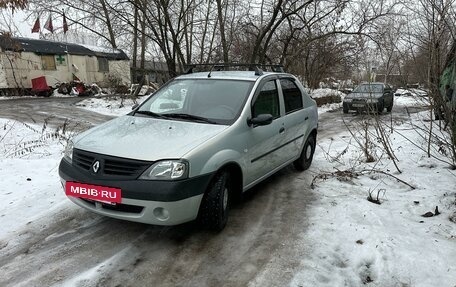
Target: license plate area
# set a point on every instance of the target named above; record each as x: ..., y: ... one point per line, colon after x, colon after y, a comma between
x: 358, y: 105
x: 104, y: 194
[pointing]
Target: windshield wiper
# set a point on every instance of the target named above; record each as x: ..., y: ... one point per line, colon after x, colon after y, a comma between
x: 189, y: 117
x: 151, y: 114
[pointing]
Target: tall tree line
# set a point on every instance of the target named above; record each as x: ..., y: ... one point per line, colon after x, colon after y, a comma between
x: 315, y: 39
x: 307, y: 36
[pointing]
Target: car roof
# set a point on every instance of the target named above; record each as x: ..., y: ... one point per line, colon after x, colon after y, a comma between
x: 229, y: 75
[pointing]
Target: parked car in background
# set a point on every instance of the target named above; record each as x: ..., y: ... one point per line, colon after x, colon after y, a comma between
x: 371, y: 97
x: 191, y: 147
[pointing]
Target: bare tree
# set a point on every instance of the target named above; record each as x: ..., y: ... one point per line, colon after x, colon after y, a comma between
x: 93, y: 16
x: 13, y: 4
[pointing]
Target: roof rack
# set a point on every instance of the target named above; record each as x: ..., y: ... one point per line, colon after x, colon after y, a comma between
x: 258, y: 68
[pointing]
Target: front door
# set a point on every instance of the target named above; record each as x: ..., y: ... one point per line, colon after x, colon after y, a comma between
x: 262, y: 153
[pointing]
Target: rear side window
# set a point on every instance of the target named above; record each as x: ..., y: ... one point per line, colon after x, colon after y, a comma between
x: 267, y: 101
x: 291, y: 95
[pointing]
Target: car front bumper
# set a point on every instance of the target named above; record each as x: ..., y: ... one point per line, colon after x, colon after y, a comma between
x: 151, y: 202
x: 371, y: 106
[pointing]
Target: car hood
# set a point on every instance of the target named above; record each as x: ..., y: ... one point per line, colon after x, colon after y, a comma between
x: 364, y: 95
x: 146, y: 138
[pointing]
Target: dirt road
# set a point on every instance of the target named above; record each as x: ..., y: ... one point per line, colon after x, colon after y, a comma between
x: 261, y: 245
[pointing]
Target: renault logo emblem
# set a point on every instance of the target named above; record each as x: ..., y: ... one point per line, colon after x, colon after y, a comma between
x: 96, y: 166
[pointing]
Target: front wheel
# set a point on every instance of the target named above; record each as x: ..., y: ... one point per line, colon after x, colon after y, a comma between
x: 305, y: 159
x: 380, y: 107
x: 389, y: 108
x: 345, y: 108
x: 215, y: 203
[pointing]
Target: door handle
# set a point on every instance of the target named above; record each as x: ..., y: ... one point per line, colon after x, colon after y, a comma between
x: 282, y: 129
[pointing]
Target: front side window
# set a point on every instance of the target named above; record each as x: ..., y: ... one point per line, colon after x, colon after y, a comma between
x: 291, y: 95
x: 48, y: 62
x: 217, y: 100
x: 267, y: 101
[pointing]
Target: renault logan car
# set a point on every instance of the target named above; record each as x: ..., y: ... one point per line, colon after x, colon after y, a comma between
x: 371, y: 97
x: 190, y: 148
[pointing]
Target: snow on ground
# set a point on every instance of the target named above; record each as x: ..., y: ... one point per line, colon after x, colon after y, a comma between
x: 352, y: 241
x: 321, y: 93
x: 412, y: 100
x: 113, y: 106
x: 355, y: 242
x: 30, y: 189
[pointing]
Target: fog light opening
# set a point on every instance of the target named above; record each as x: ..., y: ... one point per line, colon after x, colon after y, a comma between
x: 161, y: 214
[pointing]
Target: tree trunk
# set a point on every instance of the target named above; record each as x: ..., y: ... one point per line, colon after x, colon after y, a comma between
x: 108, y: 24
x: 221, y: 20
x: 135, y: 44
x: 143, y: 44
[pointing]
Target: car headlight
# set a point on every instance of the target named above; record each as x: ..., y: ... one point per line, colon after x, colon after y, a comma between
x: 166, y: 170
x: 68, y: 153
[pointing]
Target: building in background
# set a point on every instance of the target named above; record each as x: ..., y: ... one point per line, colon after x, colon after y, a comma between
x: 22, y: 60
x: 154, y: 72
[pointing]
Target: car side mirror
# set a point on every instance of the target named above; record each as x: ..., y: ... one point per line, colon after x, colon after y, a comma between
x: 134, y: 107
x: 260, y: 120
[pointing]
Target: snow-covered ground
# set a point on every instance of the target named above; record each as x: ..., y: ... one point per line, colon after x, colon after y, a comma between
x: 354, y: 241
x: 350, y: 241
x: 112, y: 106
x: 29, y: 158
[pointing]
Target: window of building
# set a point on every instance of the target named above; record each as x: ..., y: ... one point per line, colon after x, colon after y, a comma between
x: 48, y: 62
x: 292, y: 96
x: 267, y: 101
x: 103, y: 65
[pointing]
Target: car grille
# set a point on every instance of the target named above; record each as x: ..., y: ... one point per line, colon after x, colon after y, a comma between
x: 109, y: 166
x: 359, y: 101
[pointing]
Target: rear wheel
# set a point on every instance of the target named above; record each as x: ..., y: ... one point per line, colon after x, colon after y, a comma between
x: 305, y: 160
x: 215, y: 204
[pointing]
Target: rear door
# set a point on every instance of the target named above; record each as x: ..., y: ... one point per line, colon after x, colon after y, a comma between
x: 296, y: 118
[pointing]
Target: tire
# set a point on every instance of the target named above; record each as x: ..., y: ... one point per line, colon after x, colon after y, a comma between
x: 305, y: 159
x: 380, y: 107
x: 439, y: 115
x: 216, y: 203
x: 389, y: 108
x: 345, y: 108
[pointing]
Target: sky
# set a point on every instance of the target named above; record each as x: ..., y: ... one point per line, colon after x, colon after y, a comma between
x: 17, y: 23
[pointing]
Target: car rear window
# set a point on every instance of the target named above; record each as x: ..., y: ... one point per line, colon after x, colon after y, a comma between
x: 369, y: 88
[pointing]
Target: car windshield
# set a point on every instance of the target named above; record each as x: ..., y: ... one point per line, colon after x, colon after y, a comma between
x: 200, y: 100
x: 369, y: 88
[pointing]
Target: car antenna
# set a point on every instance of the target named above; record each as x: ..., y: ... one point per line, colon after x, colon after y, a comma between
x: 258, y: 71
